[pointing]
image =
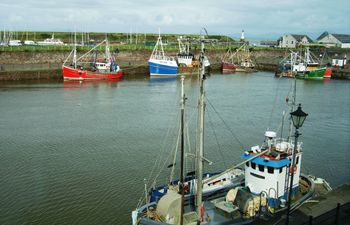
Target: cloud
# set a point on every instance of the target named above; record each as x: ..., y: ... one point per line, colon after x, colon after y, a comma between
x: 256, y: 17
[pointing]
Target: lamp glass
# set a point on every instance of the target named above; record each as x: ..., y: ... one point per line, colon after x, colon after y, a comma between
x: 298, y: 117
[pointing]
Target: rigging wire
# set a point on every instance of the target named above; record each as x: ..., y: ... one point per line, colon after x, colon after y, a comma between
x: 163, y: 152
x: 228, y: 128
x: 273, y: 105
x: 216, y: 139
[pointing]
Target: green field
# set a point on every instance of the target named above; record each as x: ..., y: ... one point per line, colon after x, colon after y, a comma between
x: 122, y: 41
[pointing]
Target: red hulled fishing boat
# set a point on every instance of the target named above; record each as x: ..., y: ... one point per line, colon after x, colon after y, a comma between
x: 81, y: 69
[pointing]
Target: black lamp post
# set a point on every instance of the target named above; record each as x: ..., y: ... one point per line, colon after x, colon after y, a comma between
x: 298, y: 118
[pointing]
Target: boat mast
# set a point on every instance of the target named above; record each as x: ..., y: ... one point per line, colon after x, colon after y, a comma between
x: 107, y: 51
x: 181, y: 184
x: 200, y: 137
x: 161, y: 45
x: 75, y: 51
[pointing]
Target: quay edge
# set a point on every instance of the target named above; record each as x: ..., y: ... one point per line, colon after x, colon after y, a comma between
x: 47, y: 65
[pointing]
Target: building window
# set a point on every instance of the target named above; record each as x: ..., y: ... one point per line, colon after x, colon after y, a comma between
x: 297, y: 159
x: 253, y: 165
x: 261, y: 168
x: 281, y: 169
x: 270, y: 169
x: 247, y: 164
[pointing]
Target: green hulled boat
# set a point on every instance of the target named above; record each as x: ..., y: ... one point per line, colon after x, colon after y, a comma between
x: 312, y: 74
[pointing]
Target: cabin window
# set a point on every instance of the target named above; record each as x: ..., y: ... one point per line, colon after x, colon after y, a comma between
x: 281, y: 169
x: 297, y: 159
x: 261, y: 168
x: 270, y: 169
x: 257, y: 175
x: 247, y: 164
x: 253, y: 165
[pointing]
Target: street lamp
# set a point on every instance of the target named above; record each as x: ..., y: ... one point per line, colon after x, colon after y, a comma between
x: 298, y: 118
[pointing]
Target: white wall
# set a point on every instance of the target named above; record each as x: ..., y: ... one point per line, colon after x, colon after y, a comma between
x: 288, y: 41
x: 329, y: 39
x: 345, y: 45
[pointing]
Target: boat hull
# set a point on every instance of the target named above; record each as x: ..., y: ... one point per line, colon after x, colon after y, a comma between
x: 162, y: 68
x: 245, y: 69
x: 78, y: 74
x: 228, y: 67
x: 328, y: 73
x: 314, y: 74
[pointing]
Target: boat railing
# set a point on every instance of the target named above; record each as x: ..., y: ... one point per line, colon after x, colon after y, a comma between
x: 162, y: 57
x: 283, y: 145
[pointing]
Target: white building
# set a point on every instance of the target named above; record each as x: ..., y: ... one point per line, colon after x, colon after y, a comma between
x: 337, y: 40
x: 339, y: 61
x: 293, y: 40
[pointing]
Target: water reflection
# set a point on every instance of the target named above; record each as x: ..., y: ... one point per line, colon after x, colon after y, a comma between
x: 91, y: 83
x: 162, y: 79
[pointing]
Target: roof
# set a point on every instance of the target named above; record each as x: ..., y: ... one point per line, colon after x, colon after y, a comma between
x: 324, y: 34
x: 265, y: 162
x: 343, y: 38
x: 298, y: 37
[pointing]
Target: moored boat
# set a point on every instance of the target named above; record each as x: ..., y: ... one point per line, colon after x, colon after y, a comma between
x: 312, y: 74
x: 269, y: 188
x: 184, y: 57
x: 159, y: 64
x: 228, y: 67
x: 239, y: 61
x: 51, y: 41
x: 105, y: 68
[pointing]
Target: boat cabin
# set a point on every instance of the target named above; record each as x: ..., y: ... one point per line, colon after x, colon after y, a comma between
x: 268, y: 174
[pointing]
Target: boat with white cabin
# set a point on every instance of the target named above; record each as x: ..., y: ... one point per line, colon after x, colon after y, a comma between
x: 159, y: 64
x: 268, y: 190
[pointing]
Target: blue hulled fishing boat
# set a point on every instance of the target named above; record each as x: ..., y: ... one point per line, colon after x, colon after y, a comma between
x: 159, y: 63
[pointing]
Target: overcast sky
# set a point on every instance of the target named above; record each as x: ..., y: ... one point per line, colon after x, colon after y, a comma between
x: 261, y: 19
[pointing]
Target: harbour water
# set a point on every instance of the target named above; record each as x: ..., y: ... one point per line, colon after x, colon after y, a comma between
x: 77, y: 153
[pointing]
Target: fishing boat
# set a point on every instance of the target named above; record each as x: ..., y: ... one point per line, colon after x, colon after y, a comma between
x: 239, y: 61
x: 184, y: 57
x: 317, y: 73
x: 228, y: 65
x: 211, y: 187
x: 83, y: 68
x: 159, y: 64
x: 268, y: 190
x: 313, y: 68
x: 290, y: 65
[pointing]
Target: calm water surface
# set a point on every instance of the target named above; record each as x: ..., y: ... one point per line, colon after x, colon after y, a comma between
x: 77, y: 153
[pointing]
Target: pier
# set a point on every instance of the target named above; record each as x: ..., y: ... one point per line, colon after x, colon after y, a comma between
x: 330, y: 208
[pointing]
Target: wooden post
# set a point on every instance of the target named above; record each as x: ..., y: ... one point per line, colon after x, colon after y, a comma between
x: 337, y: 214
